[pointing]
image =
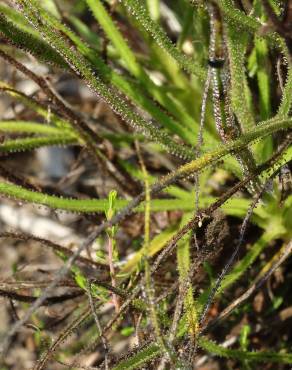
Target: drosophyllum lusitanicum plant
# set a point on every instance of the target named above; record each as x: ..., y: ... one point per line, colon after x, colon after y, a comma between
x: 178, y: 190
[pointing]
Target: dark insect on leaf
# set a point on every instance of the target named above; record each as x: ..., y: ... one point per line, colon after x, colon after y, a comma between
x: 216, y: 63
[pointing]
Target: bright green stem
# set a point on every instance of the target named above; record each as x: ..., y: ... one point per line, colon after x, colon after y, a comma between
x: 261, y: 131
x: 91, y: 205
x: 31, y: 128
x: 57, y: 133
x: 19, y: 145
x: 87, y: 205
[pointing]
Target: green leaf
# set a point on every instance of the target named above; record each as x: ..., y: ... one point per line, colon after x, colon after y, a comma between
x: 264, y: 356
x: 127, y: 331
x: 29, y: 42
x: 27, y: 127
x: 141, y: 15
x: 136, y: 69
x: 138, y: 359
x: 111, y: 204
x: 183, y: 265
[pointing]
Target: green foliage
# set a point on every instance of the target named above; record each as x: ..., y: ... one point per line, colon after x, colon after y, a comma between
x: 143, y: 19
x: 138, y: 359
x: 240, y: 93
x: 183, y: 265
x: 157, y: 81
x: 80, y: 65
x: 27, y: 40
x: 269, y: 357
x: 153, y: 351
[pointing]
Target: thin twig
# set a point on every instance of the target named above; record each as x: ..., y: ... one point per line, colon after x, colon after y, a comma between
x: 48, y: 302
x: 56, y: 247
x: 99, y: 328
